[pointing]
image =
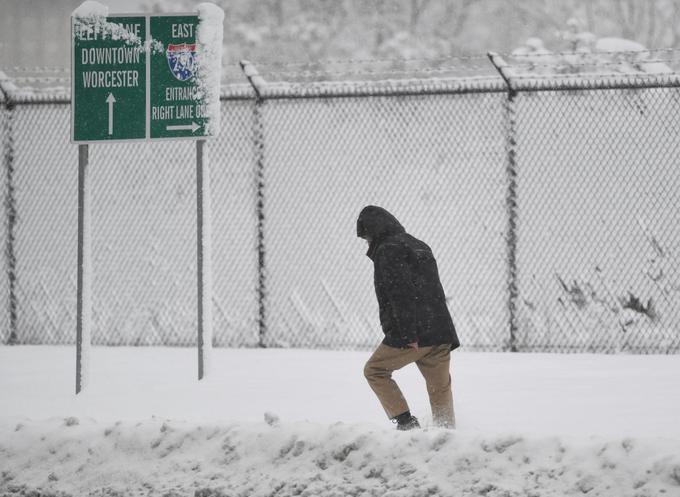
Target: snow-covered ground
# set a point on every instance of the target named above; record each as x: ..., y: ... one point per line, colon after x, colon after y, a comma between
x: 300, y: 422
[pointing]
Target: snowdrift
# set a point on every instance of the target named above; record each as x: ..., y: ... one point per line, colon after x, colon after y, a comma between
x: 64, y: 457
x: 528, y: 425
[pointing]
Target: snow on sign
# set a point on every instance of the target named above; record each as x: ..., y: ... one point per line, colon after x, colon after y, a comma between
x: 143, y: 76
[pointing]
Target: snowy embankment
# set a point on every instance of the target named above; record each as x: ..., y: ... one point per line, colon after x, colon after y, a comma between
x: 156, y: 457
x: 528, y: 425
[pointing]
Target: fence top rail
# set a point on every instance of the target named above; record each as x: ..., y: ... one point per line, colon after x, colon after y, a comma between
x: 305, y: 90
x: 591, y: 81
x: 10, y: 93
x: 381, y: 88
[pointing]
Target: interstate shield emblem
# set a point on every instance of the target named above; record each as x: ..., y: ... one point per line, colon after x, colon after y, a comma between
x: 182, y: 60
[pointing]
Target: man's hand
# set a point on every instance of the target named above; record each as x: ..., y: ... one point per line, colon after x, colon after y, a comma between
x: 413, y: 345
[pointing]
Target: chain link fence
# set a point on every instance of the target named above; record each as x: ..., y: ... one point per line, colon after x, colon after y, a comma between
x: 598, y: 221
x: 550, y: 201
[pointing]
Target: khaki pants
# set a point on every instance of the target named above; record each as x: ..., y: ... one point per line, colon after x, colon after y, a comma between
x: 433, y: 363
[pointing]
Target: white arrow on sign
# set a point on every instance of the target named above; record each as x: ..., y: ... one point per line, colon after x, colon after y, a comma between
x: 110, y: 100
x: 182, y: 127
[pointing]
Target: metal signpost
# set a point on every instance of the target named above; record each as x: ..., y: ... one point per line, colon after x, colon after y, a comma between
x: 133, y: 78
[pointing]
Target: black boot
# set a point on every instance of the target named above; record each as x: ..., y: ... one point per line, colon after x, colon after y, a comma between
x: 406, y: 421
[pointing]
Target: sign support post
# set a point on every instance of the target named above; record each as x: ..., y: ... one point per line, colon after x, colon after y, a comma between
x: 204, y: 259
x: 84, y: 284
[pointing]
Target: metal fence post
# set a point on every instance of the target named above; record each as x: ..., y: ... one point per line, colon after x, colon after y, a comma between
x: 256, y: 81
x: 510, y: 198
x: 10, y: 207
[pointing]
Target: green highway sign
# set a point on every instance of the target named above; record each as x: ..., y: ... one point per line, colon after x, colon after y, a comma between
x: 108, y: 81
x: 176, y: 107
x: 135, y: 78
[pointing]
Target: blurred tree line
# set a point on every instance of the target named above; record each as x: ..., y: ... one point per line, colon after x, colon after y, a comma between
x: 316, y: 30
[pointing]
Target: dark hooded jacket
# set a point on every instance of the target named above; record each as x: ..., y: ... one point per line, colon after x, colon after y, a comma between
x: 410, y: 295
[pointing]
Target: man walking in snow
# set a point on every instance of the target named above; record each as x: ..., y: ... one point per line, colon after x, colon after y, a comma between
x: 414, y: 317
